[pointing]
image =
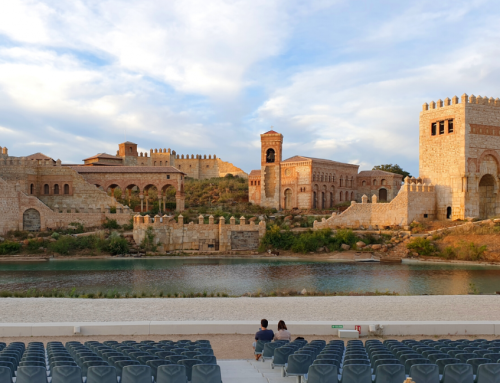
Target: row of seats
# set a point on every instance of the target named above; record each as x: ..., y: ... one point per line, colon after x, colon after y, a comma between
x: 109, y: 362
x: 425, y: 361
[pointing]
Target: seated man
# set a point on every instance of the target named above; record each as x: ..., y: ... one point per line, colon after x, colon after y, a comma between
x: 263, y: 334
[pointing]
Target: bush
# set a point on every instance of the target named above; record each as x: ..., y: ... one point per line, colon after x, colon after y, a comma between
x: 129, y: 225
x: 9, y: 247
x: 275, y: 239
x: 34, y: 245
x: 117, y: 245
x: 422, y: 246
x: 467, y: 251
x: 55, y: 235
x: 110, y: 224
x: 148, y: 243
x: 63, y: 245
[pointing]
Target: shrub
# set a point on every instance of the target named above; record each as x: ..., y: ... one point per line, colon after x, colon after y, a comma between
x: 55, y: 235
x: 110, y: 224
x: 276, y: 239
x: 78, y: 227
x: 63, y: 245
x: 117, y: 245
x: 112, y: 209
x: 422, y: 246
x: 148, y: 243
x: 129, y: 225
x: 9, y: 247
x: 34, y: 245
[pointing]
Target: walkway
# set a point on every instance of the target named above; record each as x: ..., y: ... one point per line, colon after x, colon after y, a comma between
x: 245, y: 371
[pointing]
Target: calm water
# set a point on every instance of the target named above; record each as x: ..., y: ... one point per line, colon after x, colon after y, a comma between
x: 238, y: 276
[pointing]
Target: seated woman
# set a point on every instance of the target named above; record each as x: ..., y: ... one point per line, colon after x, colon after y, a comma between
x: 283, y: 333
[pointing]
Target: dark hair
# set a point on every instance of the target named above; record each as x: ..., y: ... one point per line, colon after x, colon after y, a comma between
x: 282, y: 325
x: 264, y: 323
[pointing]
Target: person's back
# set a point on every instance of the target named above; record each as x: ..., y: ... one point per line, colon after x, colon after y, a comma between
x: 263, y: 334
x: 283, y: 333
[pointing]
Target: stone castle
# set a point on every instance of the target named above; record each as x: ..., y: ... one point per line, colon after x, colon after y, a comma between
x: 39, y: 193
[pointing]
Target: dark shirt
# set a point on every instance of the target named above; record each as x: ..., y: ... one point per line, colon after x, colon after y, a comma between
x: 264, y: 335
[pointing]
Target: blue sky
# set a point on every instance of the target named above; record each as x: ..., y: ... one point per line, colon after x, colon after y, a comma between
x: 343, y: 80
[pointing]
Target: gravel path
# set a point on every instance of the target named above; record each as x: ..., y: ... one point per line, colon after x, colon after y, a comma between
x: 403, y: 308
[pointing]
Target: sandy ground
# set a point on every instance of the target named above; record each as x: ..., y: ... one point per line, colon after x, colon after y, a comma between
x: 224, y: 346
x: 388, y: 308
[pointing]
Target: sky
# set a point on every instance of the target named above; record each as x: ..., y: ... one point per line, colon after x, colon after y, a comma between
x: 342, y: 80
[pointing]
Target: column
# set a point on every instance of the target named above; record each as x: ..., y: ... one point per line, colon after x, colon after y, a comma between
x: 141, y: 196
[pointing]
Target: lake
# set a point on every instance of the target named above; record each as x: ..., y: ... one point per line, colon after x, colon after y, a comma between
x: 236, y: 276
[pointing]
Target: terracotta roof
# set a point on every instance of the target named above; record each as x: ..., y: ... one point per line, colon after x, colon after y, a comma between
x: 126, y: 169
x: 374, y: 173
x: 39, y: 156
x: 255, y: 173
x: 304, y: 158
x: 271, y: 132
x: 128, y: 142
x: 103, y: 155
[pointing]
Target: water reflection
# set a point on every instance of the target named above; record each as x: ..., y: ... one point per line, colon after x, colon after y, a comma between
x: 238, y: 276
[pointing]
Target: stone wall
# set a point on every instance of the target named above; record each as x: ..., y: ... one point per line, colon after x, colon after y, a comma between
x: 414, y: 202
x: 14, y: 203
x: 201, y: 168
x: 213, y: 236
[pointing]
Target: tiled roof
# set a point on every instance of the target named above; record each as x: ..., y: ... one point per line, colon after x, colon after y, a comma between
x: 271, y: 132
x: 304, y: 158
x: 103, y: 155
x: 39, y: 156
x: 374, y: 173
x: 128, y: 142
x: 255, y: 173
x: 126, y: 169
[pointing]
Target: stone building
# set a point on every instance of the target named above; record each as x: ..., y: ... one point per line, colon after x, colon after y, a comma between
x: 299, y: 181
x: 460, y: 155
x: 194, y: 166
x: 384, y: 185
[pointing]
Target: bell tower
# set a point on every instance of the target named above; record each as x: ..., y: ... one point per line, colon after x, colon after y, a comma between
x: 271, y: 155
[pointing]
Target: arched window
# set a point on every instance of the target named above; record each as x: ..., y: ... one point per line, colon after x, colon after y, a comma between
x: 270, y: 154
x: 251, y: 183
x: 375, y: 182
x: 363, y: 183
x: 331, y: 199
x: 32, y: 189
x: 160, y: 163
x: 56, y: 189
x: 155, y: 163
x: 347, y: 196
x: 341, y: 182
x: 66, y: 189
x: 352, y: 196
x: 314, y: 177
x: 382, y: 182
x: 322, y: 178
x: 46, y: 189
x: 341, y: 199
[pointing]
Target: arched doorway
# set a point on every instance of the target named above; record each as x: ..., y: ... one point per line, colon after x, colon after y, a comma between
x: 448, y: 212
x: 288, y: 199
x: 487, y: 197
x: 31, y: 220
x: 382, y: 195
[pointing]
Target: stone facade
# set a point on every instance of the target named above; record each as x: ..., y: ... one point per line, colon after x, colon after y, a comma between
x: 415, y: 201
x: 299, y: 182
x: 174, y: 236
x: 197, y: 166
x: 384, y: 185
x: 460, y: 154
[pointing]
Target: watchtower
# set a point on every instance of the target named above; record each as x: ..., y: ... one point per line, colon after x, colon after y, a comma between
x: 128, y: 151
x: 271, y: 156
x: 460, y: 155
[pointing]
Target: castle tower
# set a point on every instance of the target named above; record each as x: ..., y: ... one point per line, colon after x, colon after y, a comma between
x: 271, y: 156
x: 128, y: 151
x: 460, y: 155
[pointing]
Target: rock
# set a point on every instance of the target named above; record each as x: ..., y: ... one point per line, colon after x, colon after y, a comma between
x: 345, y: 247
x: 376, y: 247
x: 360, y: 244
x: 370, y: 227
x: 303, y: 292
x: 320, y: 249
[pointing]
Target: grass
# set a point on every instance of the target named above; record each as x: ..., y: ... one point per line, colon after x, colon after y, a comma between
x: 466, y: 251
x: 95, y: 244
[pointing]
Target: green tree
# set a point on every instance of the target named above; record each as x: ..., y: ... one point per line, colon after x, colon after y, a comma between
x: 392, y: 169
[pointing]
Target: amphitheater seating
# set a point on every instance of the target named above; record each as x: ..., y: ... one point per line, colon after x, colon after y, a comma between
x: 425, y: 361
x: 109, y: 362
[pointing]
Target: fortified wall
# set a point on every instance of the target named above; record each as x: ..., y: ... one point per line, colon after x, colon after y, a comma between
x: 213, y: 236
x: 195, y: 166
x: 415, y: 201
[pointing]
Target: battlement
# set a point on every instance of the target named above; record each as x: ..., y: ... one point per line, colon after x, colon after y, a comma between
x: 4, y: 151
x: 158, y: 220
x: 465, y: 99
x: 196, y: 157
x: 23, y: 161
